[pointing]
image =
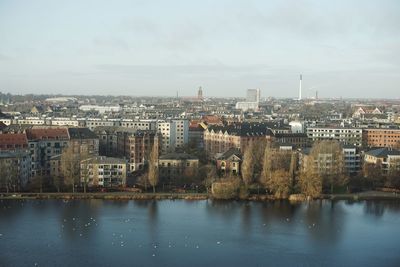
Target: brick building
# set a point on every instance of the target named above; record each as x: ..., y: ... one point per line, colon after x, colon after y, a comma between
x: 381, y: 137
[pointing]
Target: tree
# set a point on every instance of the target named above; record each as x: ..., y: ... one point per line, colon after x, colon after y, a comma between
x: 248, y: 165
x: 153, y: 167
x: 373, y: 174
x: 310, y: 182
x: 8, y: 174
x: 329, y: 163
x: 83, y: 164
x: 276, y: 175
x: 393, y: 178
x: 70, y: 167
x: 3, y: 174
x: 280, y: 183
x: 266, y: 174
x: 208, y: 173
x: 293, y: 169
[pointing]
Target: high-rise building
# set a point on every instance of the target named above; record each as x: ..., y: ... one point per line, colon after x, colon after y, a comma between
x: 200, y: 93
x: 253, y: 95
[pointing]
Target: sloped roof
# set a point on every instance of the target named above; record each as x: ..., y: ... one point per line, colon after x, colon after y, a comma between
x: 383, y: 152
x: 243, y: 129
x: 178, y: 156
x: 229, y: 153
x: 81, y: 133
x: 13, y: 139
x: 47, y: 134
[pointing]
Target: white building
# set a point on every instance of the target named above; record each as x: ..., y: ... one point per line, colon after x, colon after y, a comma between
x: 174, y: 134
x: 346, y: 136
x: 245, y: 106
x: 64, y: 122
x: 100, y: 109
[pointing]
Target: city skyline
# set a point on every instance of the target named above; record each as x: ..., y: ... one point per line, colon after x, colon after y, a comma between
x: 343, y: 49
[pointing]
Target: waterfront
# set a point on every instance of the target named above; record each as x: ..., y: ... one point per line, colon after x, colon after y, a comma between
x: 198, y: 233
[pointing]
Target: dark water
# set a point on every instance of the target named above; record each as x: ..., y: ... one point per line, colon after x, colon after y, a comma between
x: 198, y: 233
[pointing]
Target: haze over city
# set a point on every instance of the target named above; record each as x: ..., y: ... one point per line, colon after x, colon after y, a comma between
x: 342, y: 48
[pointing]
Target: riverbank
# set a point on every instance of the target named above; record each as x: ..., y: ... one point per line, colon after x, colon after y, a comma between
x: 106, y: 196
x: 370, y: 195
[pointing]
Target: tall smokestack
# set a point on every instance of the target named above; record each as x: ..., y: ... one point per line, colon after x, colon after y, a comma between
x: 301, y: 78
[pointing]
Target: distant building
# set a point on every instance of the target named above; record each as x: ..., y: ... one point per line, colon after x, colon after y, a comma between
x: 252, y: 101
x: 253, y: 95
x: 200, y: 93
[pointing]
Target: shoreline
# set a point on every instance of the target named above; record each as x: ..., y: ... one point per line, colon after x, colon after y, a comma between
x: 369, y: 195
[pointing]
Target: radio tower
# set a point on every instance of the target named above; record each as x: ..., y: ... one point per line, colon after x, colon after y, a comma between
x: 301, y: 78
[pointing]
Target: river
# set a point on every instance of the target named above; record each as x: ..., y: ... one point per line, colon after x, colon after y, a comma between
x: 199, y: 233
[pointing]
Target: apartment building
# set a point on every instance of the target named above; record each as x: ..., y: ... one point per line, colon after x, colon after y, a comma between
x: 173, y: 133
x: 219, y: 139
x: 104, y: 171
x: 83, y: 140
x: 381, y: 137
x: 15, y: 166
x: 44, y: 143
x: 346, y: 136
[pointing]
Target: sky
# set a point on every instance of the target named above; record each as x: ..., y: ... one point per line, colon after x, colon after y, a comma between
x: 343, y: 48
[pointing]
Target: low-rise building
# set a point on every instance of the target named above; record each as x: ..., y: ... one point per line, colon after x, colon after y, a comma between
x: 229, y: 162
x: 387, y: 158
x: 104, y: 171
x: 176, y: 165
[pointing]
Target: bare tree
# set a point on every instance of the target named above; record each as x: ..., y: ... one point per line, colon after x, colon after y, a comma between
x: 248, y: 165
x: 373, y: 174
x: 153, y: 167
x: 70, y: 167
x: 310, y: 181
x: 329, y: 163
x: 84, y: 168
x: 208, y: 173
x: 276, y: 175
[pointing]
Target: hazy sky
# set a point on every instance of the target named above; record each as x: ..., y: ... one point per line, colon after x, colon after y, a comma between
x: 144, y: 47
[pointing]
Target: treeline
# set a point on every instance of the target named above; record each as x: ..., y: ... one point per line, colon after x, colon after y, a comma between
x: 281, y: 173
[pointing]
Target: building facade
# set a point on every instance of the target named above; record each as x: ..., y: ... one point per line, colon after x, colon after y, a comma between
x: 381, y: 138
x: 104, y: 172
x: 346, y: 136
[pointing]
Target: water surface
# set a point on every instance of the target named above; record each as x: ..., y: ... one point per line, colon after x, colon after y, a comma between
x: 198, y: 233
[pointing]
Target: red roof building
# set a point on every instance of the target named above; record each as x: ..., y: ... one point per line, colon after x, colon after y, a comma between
x: 11, y: 142
x: 48, y: 134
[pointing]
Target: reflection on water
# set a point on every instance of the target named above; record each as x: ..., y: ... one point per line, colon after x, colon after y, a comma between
x: 198, y: 233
